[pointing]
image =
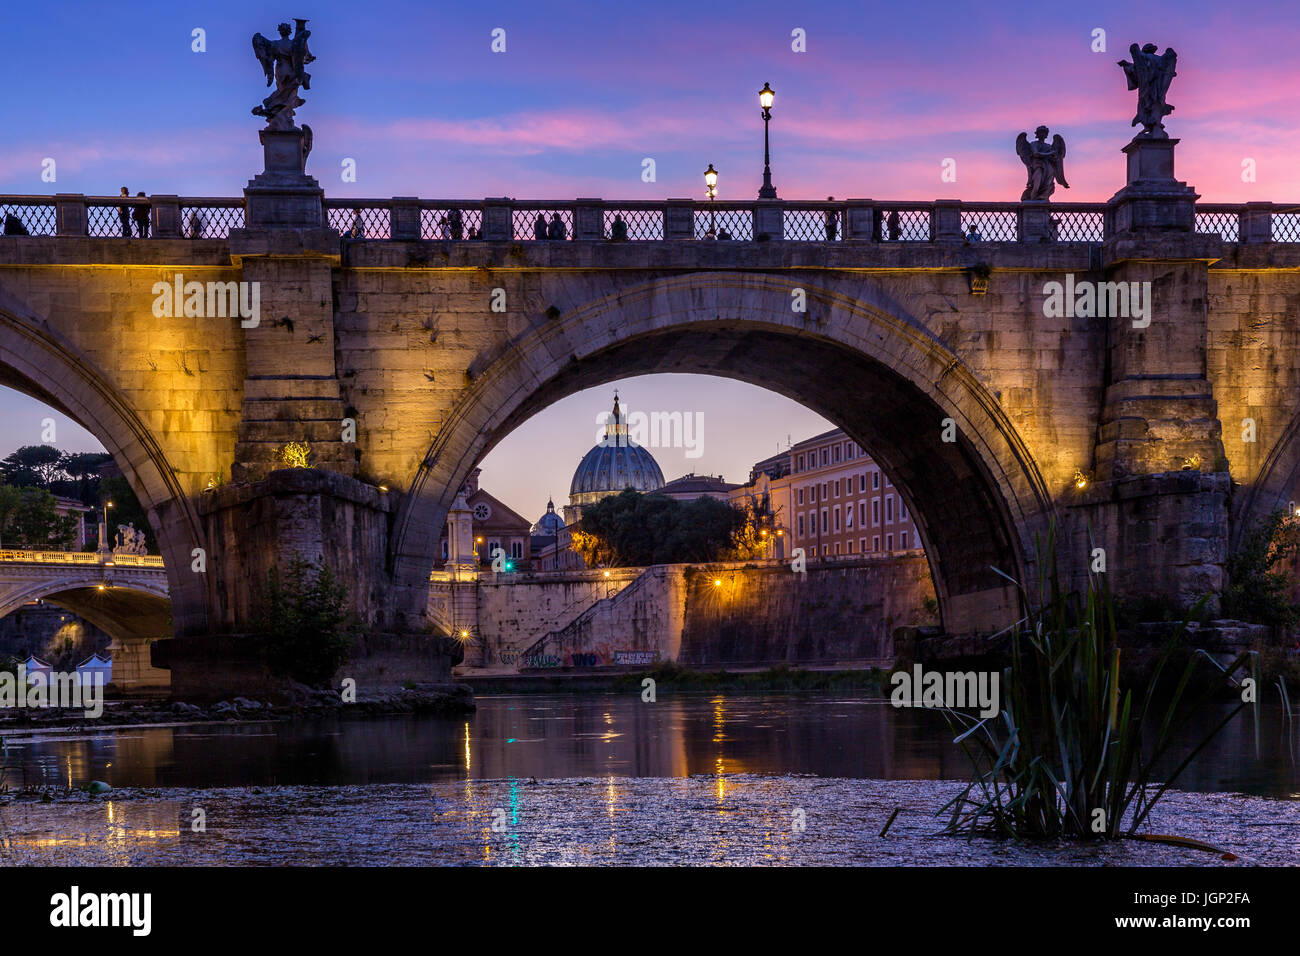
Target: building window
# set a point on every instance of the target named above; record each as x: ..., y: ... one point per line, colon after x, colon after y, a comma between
x: 902, y: 540
x: 800, y: 496
x: 889, y: 508
x: 445, y: 552
x: 837, y: 487
x: 837, y: 520
x: 862, y: 482
x: 800, y: 466
x: 825, y: 490
x: 837, y: 455
x: 848, y: 515
x: 801, y: 525
x: 826, y: 525
x: 875, y: 511
x: 875, y: 542
x: 875, y: 479
x: 862, y: 514
x: 492, y: 548
x: 516, y: 549
x: 902, y: 509
x: 826, y: 456
x: 862, y: 545
x: 813, y: 492
x: 889, y: 542
x: 837, y: 547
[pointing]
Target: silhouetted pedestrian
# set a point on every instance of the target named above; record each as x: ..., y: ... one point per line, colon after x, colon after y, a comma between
x: 895, y: 226
x: 832, y: 221
x: 456, y: 224
x: 141, y: 216
x: 618, y: 231
x: 196, y: 224
x: 556, y: 229
x: 124, y: 214
x: 14, y: 226
x: 539, y: 227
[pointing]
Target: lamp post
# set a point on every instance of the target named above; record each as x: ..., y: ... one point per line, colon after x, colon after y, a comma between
x: 103, y: 537
x: 711, y: 182
x: 765, y: 97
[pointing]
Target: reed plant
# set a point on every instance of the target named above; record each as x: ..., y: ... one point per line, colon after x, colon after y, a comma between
x: 1074, y: 751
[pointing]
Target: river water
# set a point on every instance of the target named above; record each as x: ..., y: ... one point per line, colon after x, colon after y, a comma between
x: 603, y: 778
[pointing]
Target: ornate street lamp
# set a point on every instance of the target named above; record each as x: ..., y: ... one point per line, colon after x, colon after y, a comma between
x: 765, y: 97
x: 711, y: 181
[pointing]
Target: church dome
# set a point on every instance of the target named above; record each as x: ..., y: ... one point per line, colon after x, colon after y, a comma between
x: 549, y: 523
x: 614, y: 465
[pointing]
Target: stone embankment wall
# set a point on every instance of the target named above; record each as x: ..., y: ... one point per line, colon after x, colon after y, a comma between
x: 844, y: 611
x: 753, y: 613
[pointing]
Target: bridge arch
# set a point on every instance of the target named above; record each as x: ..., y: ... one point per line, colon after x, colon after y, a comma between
x: 857, y: 359
x: 37, y: 361
x: 1273, y: 487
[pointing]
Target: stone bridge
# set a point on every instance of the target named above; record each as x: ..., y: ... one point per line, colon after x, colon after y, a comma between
x: 984, y: 353
x: 124, y: 595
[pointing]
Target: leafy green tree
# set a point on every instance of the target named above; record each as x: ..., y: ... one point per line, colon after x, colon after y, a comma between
x: 303, y: 622
x: 82, y: 469
x: 1261, y: 584
x: 633, y: 530
x: 33, y: 465
x: 29, y: 520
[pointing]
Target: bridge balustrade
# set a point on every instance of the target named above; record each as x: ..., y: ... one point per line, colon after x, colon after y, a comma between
x: 514, y: 220
x: 11, y: 556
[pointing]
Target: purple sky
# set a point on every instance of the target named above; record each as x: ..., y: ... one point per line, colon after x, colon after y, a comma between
x: 585, y: 92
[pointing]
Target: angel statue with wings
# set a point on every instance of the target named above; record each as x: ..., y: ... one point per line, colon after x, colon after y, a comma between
x: 1150, y: 75
x: 284, y: 62
x: 1045, y: 162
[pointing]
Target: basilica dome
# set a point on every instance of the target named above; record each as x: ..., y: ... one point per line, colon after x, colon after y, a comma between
x: 614, y: 465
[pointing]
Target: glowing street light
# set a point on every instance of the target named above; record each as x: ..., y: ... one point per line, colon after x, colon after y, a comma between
x: 711, y: 183
x: 765, y: 97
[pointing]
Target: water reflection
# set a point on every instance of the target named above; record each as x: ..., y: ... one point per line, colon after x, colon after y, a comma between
x: 558, y: 736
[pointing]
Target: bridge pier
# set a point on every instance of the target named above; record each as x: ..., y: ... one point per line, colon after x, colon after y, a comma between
x: 1158, y: 505
x: 317, y: 510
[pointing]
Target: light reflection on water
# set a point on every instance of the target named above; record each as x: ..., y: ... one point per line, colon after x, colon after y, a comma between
x: 849, y: 735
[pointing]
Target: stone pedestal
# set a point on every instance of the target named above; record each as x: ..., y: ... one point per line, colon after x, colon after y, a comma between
x: 1153, y: 200
x: 769, y: 220
x: 283, y: 195
x: 945, y: 221
x: 860, y: 220
x: 1034, y: 221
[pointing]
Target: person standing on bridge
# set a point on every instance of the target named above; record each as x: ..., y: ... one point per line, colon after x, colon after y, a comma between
x: 832, y: 221
x: 141, y: 216
x: 556, y: 229
x: 124, y: 214
x: 539, y: 226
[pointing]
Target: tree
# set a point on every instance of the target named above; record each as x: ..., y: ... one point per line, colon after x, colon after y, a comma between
x: 82, y: 468
x: 303, y: 623
x: 33, y: 465
x: 29, y: 519
x: 1261, y: 586
x: 633, y: 530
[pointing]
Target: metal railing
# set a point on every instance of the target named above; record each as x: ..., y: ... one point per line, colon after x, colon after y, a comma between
x: 635, y: 221
x: 81, y: 558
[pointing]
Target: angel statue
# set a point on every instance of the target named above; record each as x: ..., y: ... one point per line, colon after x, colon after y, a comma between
x: 284, y: 62
x: 1045, y: 162
x: 1150, y: 75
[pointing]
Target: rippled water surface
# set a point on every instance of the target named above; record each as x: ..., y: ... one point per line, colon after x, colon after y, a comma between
x: 766, y: 778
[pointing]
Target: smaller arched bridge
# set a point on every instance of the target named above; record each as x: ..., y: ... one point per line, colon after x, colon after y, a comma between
x: 124, y: 595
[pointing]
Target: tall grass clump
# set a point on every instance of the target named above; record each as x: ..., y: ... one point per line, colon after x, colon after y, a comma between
x: 1072, y: 753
